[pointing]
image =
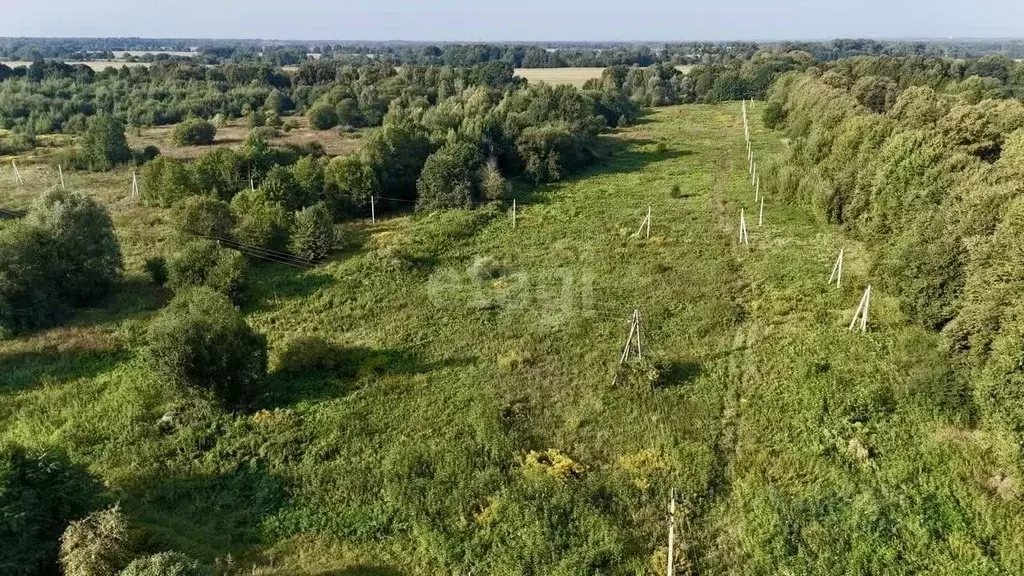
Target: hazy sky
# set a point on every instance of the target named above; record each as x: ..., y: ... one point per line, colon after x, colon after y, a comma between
x: 514, y: 20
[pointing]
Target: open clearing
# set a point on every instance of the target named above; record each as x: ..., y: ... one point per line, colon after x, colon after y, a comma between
x: 795, y: 446
x: 335, y: 141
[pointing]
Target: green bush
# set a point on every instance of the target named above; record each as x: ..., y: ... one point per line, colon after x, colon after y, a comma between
x: 165, y: 181
x: 201, y: 216
x: 774, y: 115
x: 449, y: 178
x: 40, y: 494
x: 322, y: 117
x: 102, y: 543
x: 260, y: 221
x: 305, y: 354
x: 493, y: 186
x: 166, y: 564
x: 204, y: 263
x: 201, y: 341
x: 313, y: 236
x: 193, y: 132
x: 63, y: 254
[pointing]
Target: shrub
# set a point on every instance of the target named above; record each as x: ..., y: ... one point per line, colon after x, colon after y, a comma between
x: 306, y: 353
x: 40, y: 493
x: 165, y: 181
x: 322, y: 117
x: 493, y: 186
x: 166, y: 564
x: 193, y: 132
x: 104, y: 145
x: 350, y: 182
x: 290, y: 124
x: 63, y: 254
x: 676, y: 191
x: 260, y: 221
x: 774, y: 115
x: 98, y: 545
x: 141, y: 157
x: 313, y: 236
x: 204, y: 263
x: 201, y: 341
x: 448, y: 179
x: 156, y: 268
x: 201, y: 216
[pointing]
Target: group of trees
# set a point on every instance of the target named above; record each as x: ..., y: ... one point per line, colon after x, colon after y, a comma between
x: 928, y: 173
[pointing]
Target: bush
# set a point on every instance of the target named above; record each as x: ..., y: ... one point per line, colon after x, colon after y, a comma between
x: 40, y: 493
x: 290, y: 124
x: 259, y: 221
x: 104, y: 145
x: 676, y: 191
x: 98, y: 545
x: 774, y: 115
x: 350, y: 182
x: 493, y: 186
x: 201, y: 341
x: 193, y: 132
x: 322, y: 117
x: 165, y: 181
x: 305, y: 354
x: 156, y: 268
x: 141, y: 157
x: 204, y: 263
x: 63, y: 254
x: 166, y: 564
x: 449, y: 176
x: 201, y: 216
x: 313, y: 235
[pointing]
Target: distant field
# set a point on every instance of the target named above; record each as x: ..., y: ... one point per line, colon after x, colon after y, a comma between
x: 573, y: 76
x: 333, y: 141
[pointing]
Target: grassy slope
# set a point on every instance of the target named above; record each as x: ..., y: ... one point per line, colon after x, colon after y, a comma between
x: 762, y: 425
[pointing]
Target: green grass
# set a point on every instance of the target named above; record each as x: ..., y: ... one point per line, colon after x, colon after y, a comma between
x: 795, y: 446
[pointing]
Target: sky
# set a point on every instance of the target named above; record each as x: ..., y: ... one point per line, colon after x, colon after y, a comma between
x: 525, y: 20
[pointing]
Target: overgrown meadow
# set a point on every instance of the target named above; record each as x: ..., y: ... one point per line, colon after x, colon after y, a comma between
x: 440, y: 394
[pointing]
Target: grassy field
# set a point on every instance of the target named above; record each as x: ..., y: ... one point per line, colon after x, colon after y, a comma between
x: 574, y: 76
x: 470, y: 424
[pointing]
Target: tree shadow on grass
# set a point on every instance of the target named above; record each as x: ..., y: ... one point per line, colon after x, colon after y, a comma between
x: 205, y: 516
x: 273, y: 281
x: 22, y: 370
x: 334, y: 371
x: 679, y: 373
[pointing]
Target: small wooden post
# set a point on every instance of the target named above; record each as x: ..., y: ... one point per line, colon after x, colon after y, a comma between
x: 513, y: 213
x: 17, y: 174
x: 135, y: 185
x: 757, y: 189
x: 760, y: 213
x: 670, y: 568
x: 632, y: 341
x: 744, y: 239
x: 862, y: 312
x: 60, y: 170
x: 648, y: 221
x: 373, y: 211
x: 837, y: 270
x: 753, y: 177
